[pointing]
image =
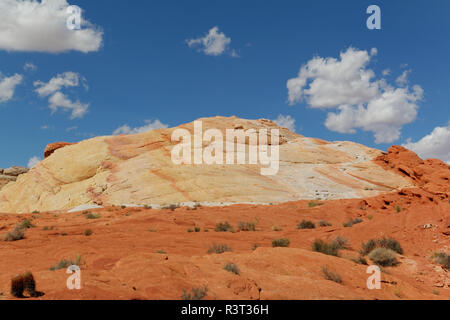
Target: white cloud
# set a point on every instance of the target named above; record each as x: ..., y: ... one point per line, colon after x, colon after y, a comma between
x: 40, y: 26
x: 67, y: 79
x: 58, y: 99
x: 8, y: 86
x: 285, y: 122
x: 348, y: 85
x: 435, y: 145
x: 386, y: 72
x: 150, y: 125
x: 214, y: 43
x: 29, y: 66
x: 402, y: 80
x: 33, y: 162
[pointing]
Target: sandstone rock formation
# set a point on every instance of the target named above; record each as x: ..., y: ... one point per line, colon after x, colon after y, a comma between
x: 138, y: 169
x: 10, y: 175
x: 53, y: 147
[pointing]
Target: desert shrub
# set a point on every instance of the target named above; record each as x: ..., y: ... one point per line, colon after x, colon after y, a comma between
x: 223, y: 227
x: 92, y: 216
x: 341, y: 242
x: 195, y: 294
x: 219, y: 248
x: 306, y: 225
x: 390, y: 243
x: 190, y: 230
x: 197, y: 229
x: 330, y: 275
x: 283, y: 242
x: 443, y: 259
x: 367, y: 247
x: 398, y: 209
x: 276, y: 228
x: 230, y: 267
x: 383, y: 257
x: 352, y: 222
x: 387, y: 243
x: 17, y: 286
x: 313, y: 204
x: 16, y: 235
x: 26, y: 224
x: 88, y: 232
x: 64, y: 263
x: 247, y: 226
x: 161, y: 252
x: 359, y: 260
x: 323, y: 223
x: 328, y: 248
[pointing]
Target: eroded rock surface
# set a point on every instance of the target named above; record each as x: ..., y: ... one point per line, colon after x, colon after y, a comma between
x: 138, y: 169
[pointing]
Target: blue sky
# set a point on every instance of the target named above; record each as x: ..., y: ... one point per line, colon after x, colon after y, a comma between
x: 145, y: 68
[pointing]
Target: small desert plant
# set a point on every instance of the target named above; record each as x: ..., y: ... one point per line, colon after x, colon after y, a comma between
x: 230, y: 267
x: 35, y: 212
x: 17, y: 286
x: 329, y: 248
x: 161, y: 252
x: 197, y: 229
x: 92, y: 216
x: 388, y: 243
x: 323, y: 223
x: 283, y: 242
x: 219, y: 248
x: 195, y: 294
x: 26, y: 224
x: 341, y: 242
x: 88, y: 232
x: 276, y: 228
x: 330, y: 275
x: 247, y: 226
x: 313, y: 204
x: 64, y: 263
x: 29, y: 285
x: 443, y: 259
x: 370, y: 217
x: 223, y: 227
x: 16, y: 235
x: 190, y: 230
x: 352, y: 222
x: 306, y: 225
x: 383, y: 257
x: 359, y: 260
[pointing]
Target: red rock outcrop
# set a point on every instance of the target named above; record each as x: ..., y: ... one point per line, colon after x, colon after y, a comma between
x: 52, y: 147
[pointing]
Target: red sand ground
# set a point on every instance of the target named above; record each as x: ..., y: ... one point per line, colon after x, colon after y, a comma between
x: 138, y: 253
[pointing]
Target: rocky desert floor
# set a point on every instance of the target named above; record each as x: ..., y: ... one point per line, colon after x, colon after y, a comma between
x: 141, y: 253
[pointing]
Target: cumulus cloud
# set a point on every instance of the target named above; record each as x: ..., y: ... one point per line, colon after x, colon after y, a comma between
x: 33, y: 162
x: 435, y: 145
x: 8, y: 86
x: 214, y: 43
x: 149, y: 126
x: 362, y: 101
x: 57, y: 99
x: 402, y: 80
x: 285, y: 122
x: 67, y: 79
x: 41, y: 26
